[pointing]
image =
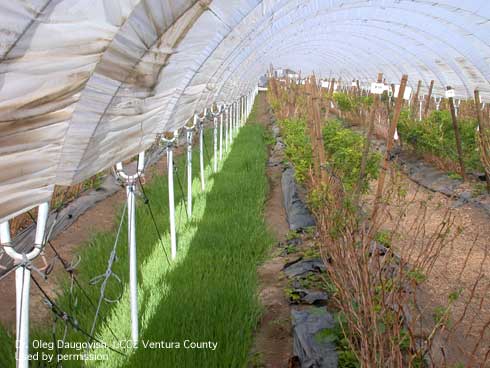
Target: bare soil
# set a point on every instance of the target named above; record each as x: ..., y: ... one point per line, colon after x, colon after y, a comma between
x: 462, y: 264
x: 273, y: 341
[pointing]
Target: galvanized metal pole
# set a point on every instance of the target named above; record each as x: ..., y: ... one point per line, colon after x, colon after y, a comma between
x: 227, y: 127
x: 171, y: 199
x: 189, y: 131
x: 133, y: 271
x: 23, y: 285
x: 130, y: 183
x: 221, y: 134
x: 233, y: 115
x: 23, y: 281
x: 215, y: 115
x: 201, y: 154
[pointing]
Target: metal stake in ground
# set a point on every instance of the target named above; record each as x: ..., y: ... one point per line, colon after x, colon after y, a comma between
x: 189, y: 130
x: 222, y: 109
x: 201, y: 148
x: 130, y: 184
x: 230, y: 123
x: 22, y: 281
x: 227, y: 126
x: 215, y: 136
x: 456, y: 132
x: 171, y: 198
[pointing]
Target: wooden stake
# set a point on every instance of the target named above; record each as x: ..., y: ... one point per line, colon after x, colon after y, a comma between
x: 457, y: 136
x: 320, y: 147
x: 429, y: 96
x: 415, y: 102
x: 389, y: 145
x: 482, y: 132
x: 367, y: 144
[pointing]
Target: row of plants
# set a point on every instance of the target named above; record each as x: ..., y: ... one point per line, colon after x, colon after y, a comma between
x: 343, y: 148
x: 298, y: 146
x: 348, y: 102
x: 435, y: 136
x: 209, y: 293
x: 344, y: 155
x: 368, y: 330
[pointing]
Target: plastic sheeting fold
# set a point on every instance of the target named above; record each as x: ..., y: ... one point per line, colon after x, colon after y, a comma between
x: 87, y: 83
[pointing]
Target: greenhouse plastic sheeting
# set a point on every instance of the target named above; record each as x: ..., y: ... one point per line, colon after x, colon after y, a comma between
x: 87, y: 83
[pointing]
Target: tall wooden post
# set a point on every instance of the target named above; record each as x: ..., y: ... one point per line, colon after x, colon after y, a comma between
x: 416, y: 99
x: 319, y: 146
x: 457, y: 135
x: 483, y: 138
x: 389, y: 145
x: 429, y: 96
x: 367, y: 143
x: 312, y: 129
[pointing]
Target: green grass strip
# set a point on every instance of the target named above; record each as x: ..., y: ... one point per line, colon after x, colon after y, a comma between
x: 208, y: 294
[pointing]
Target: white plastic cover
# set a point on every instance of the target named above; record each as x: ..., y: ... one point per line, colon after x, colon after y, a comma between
x: 87, y: 83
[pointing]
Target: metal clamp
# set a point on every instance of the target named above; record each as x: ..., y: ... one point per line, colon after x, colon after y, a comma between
x: 221, y: 108
x: 6, y: 242
x: 131, y: 179
x: 169, y: 142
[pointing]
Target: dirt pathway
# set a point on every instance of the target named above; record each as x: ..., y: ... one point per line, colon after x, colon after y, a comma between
x: 461, y: 265
x: 273, y: 340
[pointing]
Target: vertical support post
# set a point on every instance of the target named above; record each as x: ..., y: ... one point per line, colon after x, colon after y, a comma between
x: 483, y: 137
x: 130, y: 183
x: 23, y: 281
x: 416, y: 98
x: 23, y: 285
x: 437, y: 101
x: 221, y: 134
x: 189, y: 167
x: 457, y: 103
x: 215, y: 144
x: 227, y: 127
x: 421, y: 104
x: 244, y: 101
x: 133, y: 271
x: 389, y: 145
x: 171, y: 200
x: 201, y: 154
x: 233, y: 121
x: 457, y: 135
x: 429, y: 96
x: 367, y: 144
